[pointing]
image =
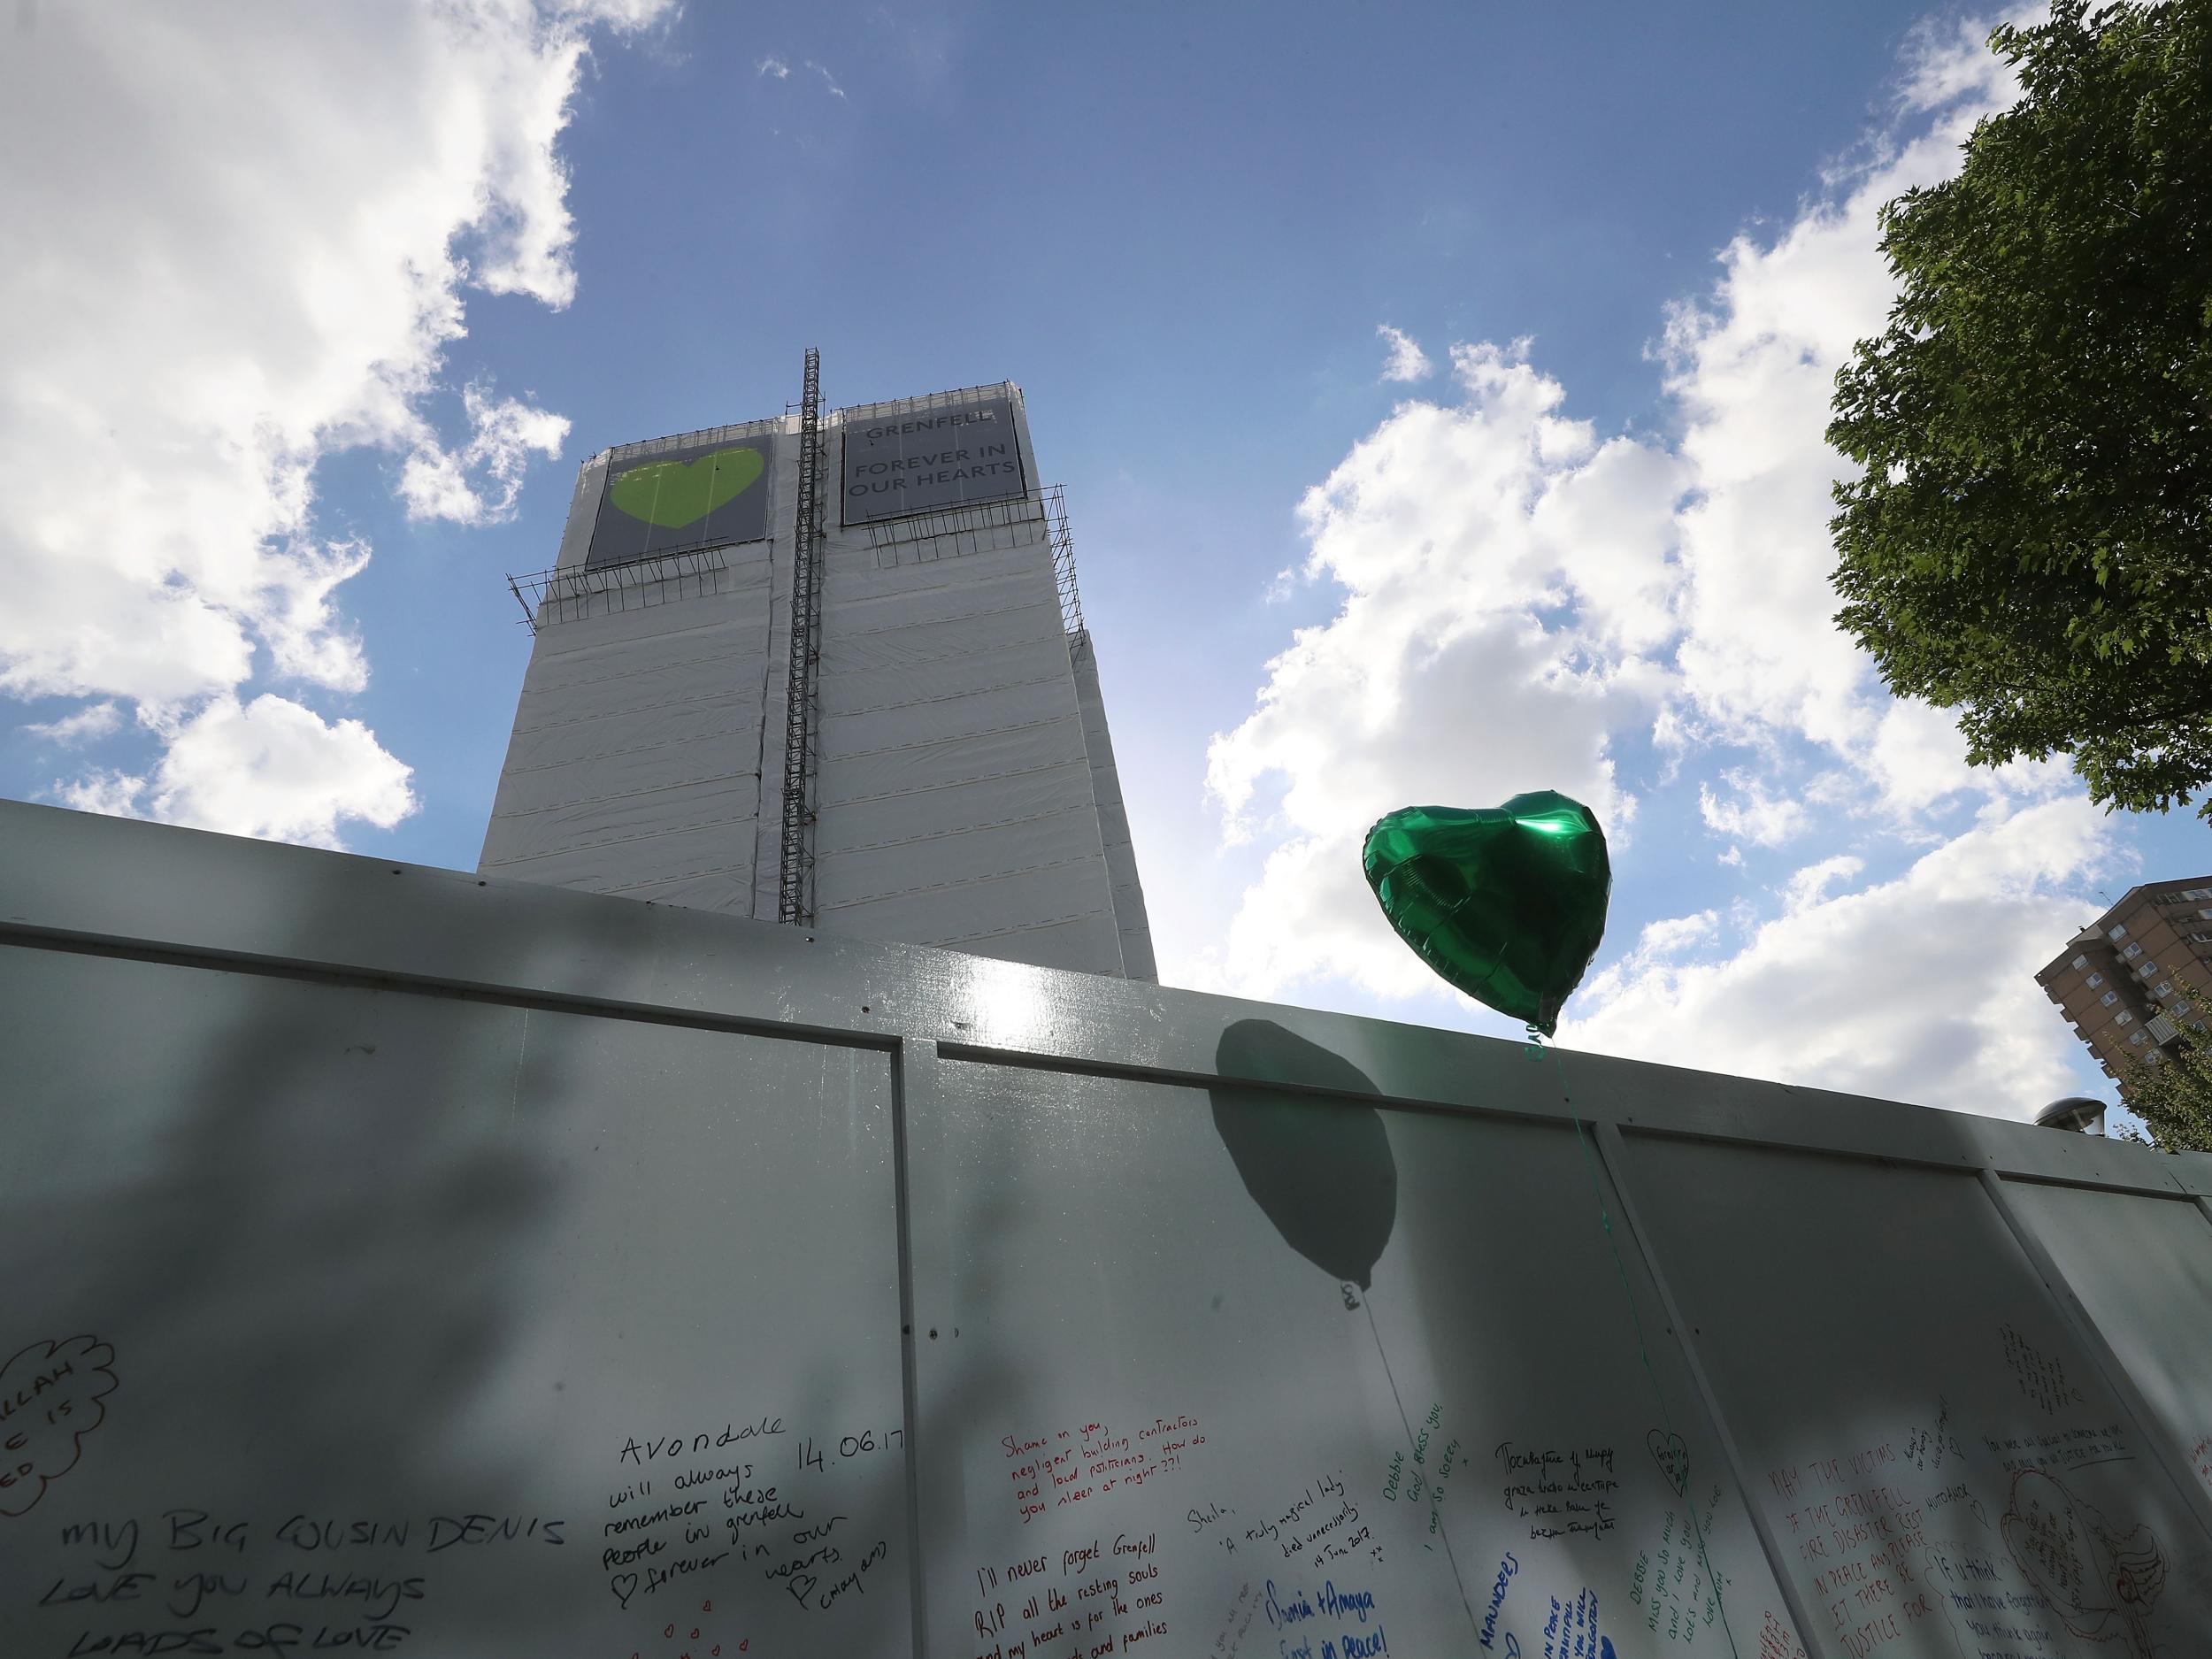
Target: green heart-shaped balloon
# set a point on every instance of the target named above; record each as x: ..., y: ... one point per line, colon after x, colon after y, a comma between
x: 674, y: 494
x: 1506, y: 903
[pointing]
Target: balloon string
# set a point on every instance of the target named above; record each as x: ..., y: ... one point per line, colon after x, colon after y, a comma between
x: 1449, y: 1556
x: 1535, y: 1051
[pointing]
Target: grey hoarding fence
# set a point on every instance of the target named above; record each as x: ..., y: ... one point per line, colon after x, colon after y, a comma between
x: 411, y: 1261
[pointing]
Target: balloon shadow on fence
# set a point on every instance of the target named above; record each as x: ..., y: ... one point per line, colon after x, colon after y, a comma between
x: 1320, y: 1169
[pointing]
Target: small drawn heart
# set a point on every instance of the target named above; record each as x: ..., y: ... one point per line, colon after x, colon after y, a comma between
x: 625, y: 1586
x: 1673, y: 1458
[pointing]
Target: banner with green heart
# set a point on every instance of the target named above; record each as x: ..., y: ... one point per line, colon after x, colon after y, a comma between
x: 697, y: 496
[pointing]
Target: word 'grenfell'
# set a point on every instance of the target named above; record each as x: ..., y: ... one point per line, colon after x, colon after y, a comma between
x: 928, y: 423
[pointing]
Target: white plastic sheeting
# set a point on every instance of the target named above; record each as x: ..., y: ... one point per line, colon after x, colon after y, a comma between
x: 947, y: 698
x: 634, y: 764
x: 963, y: 783
x: 1136, y: 927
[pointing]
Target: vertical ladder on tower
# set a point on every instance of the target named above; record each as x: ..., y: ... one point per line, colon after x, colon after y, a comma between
x: 794, y: 890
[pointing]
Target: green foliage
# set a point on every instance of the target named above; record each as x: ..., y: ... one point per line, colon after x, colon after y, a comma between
x: 2174, y: 1099
x: 2031, y: 541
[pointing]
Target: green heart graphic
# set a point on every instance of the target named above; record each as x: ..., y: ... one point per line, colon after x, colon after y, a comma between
x: 673, y: 493
x: 1508, y: 904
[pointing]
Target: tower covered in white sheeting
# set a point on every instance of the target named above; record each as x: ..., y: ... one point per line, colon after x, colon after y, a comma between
x: 931, y: 763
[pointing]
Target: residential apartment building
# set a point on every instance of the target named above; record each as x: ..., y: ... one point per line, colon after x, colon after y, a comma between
x: 2139, y: 974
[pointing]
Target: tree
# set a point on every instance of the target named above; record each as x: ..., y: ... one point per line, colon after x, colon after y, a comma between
x: 2030, y: 540
x: 2174, y: 1098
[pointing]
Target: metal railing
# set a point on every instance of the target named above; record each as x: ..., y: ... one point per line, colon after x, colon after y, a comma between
x: 659, y: 579
x: 1063, y: 541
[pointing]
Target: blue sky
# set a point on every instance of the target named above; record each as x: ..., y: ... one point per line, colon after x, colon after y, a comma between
x: 300, y: 376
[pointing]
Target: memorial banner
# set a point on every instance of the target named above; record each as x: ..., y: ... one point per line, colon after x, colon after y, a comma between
x: 932, y: 459
x: 703, y: 495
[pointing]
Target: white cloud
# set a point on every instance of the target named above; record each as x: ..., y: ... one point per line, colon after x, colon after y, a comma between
x: 1752, y: 371
x: 1809, y: 886
x: 1523, y: 601
x: 1921, y: 988
x: 247, y: 240
x: 1946, y: 60
x: 269, y: 768
x: 1753, y: 815
x: 1407, y: 361
x: 113, y: 792
x: 773, y: 65
x: 1437, y: 681
x: 95, y: 721
x: 1368, y: 715
x: 1918, y: 757
x: 479, y: 483
x: 306, y: 639
x: 1672, y: 935
x: 828, y: 79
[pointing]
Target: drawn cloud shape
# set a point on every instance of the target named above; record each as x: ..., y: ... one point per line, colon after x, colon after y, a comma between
x: 50, y: 1401
x: 2101, y: 1582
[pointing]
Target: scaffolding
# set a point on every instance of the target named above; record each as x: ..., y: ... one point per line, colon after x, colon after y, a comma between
x: 794, y: 889
x: 659, y: 579
x: 1063, y: 541
x: 860, y: 414
x: 951, y: 531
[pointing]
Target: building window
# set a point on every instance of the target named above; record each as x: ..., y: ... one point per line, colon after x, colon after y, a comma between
x: 2080, y: 963
x: 2180, y: 1009
x: 2156, y: 1057
x: 2132, y: 951
x: 2124, y: 1019
x: 2109, y: 998
x: 2119, y: 932
x: 2140, y: 1037
x: 2095, y: 979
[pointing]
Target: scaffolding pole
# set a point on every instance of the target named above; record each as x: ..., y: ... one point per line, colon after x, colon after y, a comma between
x: 794, y: 891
